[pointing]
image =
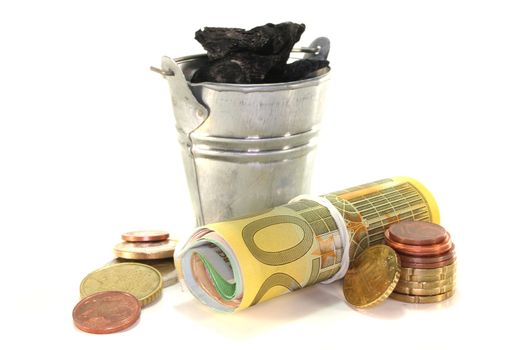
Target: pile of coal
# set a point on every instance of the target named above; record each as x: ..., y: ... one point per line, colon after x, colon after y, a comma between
x: 256, y: 56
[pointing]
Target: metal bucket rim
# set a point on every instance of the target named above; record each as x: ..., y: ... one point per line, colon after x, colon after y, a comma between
x: 251, y: 87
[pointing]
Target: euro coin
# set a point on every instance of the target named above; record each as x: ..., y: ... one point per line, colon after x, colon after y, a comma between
x: 142, y: 281
x: 424, y: 250
x: 428, y: 259
x: 372, y: 277
x: 426, y: 285
x: 428, y: 278
x: 424, y: 291
x: 408, y: 271
x: 428, y: 265
x: 416, y: 233
x: 106, y: 312
x: 421, y: 299
x: 145, y: 236
x: 166, y: 268
x: 145, y: 250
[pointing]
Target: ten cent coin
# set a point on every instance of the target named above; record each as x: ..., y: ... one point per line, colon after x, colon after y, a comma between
x: 372, y: 277
x: 142, y: 281
x: 419, y: 299
x: 166, y: 268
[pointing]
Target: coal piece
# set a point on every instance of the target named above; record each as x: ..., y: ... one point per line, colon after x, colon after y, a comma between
x: 239, y: 68
x: 301, y: 69
x: 258, y: 55
x: 270, y: 39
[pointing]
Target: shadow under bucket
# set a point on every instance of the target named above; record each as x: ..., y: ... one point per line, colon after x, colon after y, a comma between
x: 245, y: 147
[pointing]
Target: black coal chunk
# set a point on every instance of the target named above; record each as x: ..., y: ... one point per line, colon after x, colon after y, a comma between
x: 237, y: 68
x: 258, y: 55
x: 270, y: 39
x: 297, y: 70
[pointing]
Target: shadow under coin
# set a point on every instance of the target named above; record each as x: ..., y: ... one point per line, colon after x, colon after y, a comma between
x: 261, y: 317
x: 387, y: 310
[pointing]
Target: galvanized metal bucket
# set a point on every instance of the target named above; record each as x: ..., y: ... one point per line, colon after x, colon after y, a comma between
x: 245, y: 147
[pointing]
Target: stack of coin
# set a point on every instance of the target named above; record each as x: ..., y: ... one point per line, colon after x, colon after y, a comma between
x: 428, y: 261
x: 153, y: 248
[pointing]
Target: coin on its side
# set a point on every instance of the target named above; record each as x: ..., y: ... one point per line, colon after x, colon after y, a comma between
x: 106, y: 312
x: 419, y: 299
x: 145, y: 250
x: 372, y: 277
x: 145, y: 236
x: 142, y: 281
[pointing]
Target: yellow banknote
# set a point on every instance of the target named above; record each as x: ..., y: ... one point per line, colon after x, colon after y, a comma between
x: 236, y: 264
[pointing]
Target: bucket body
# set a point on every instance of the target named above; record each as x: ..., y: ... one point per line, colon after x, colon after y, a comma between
x: 245, y: 147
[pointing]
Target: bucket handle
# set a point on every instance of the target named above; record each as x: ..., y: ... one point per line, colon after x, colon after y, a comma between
x: 189, y: 113
x: 318, y: 49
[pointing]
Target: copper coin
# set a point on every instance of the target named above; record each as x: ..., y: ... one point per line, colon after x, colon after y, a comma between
x: 425, y: 250
x: 416, y: 233
x: 428, y: 259
x: 145, y: 236
x: 429, y: 265
x: 106, y: 312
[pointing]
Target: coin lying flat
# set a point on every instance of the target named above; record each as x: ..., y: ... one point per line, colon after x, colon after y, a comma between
x: 372, y: 277
x: 145, y: 236
x: 428, y: 259
x: 416, y: 233
x: 424, y: 291
x: 436, y: 271
x: 166, y: 268
x: 428, y: 278
x: 419, y: 299
x: 142, y: 281
x: 145, y: 250
x: 428, y: 266
x: 106, y: 312
x: 421, y: 250
x: 425, y: 285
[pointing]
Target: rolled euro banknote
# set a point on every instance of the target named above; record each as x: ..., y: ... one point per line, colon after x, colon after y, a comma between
x: 235, y: 264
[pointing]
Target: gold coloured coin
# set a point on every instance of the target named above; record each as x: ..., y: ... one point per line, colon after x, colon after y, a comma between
x: 372, y: 277
x: 425, y: 285
x: 166, y: 268
x: 142, y: 281
x: 424, y: 291
x: 408, y: 271
x: 427, y: 278
x: 145, y: 250
x: 418, y: 299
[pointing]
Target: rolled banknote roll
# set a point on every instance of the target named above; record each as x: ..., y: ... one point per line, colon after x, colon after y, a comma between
x: 238, y: 263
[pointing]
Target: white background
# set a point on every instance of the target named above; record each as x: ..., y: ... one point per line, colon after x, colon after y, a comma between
x: 433, y: 90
